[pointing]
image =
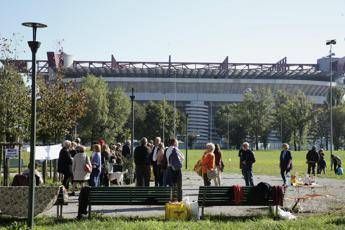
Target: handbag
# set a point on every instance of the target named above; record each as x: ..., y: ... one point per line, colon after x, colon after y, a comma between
x: 87, y: 168
x: 198, y: 168
x: 211, y: 174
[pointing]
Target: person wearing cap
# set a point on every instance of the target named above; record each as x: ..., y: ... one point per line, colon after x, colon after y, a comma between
x: 312, y: 158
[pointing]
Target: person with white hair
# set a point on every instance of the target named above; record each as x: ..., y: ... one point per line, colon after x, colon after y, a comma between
x: 208, y: 164
x: 285, y: 162
x: 65, y: 162
x: 247, y: 160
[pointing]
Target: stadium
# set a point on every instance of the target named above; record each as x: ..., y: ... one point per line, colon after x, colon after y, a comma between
x: 198, y: 88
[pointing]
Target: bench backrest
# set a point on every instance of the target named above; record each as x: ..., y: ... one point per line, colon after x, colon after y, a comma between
x: 132, y: 195
x: 224, y: 196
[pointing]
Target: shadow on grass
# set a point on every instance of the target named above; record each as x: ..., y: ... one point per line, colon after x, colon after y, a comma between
x: 14, y: 223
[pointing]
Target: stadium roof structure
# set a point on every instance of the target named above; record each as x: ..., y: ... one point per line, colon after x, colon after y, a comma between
x: 209, y: 70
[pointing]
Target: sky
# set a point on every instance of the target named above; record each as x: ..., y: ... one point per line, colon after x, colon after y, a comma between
x: 188, y: 30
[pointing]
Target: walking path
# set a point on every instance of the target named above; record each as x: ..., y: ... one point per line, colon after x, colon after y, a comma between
x: 332, y: 191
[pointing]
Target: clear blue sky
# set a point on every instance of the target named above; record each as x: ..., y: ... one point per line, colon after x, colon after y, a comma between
x: 189, y: 30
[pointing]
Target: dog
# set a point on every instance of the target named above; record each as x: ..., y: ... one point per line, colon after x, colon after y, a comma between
x: 117, y: 177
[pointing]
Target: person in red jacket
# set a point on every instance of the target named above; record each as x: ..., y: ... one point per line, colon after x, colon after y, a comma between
x: 208, y: 163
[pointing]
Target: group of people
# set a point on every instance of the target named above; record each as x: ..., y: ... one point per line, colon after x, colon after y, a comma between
x: 315, y: 162
x: 77, y: 168
x: 166, y: 163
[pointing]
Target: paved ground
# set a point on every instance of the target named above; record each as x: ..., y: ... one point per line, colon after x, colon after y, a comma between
x: 332, y: 191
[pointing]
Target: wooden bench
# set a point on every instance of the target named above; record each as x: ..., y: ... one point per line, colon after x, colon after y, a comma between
x: 131, y: 196
x: 225, y: 196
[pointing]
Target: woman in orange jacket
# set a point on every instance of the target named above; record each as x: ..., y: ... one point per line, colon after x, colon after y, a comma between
x: 208, y: 163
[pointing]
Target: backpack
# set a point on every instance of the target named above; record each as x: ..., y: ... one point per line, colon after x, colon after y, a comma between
x: 262, y: 192
x: 174, y: 160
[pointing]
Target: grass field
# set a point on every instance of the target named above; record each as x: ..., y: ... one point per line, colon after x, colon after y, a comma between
x: 267, y: 162
x: 326, y: 221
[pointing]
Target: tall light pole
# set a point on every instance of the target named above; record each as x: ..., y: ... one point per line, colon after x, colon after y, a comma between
x: 330, y: 43
x: 34, y: 45
x: 186, y: 140
x: 132, y: 135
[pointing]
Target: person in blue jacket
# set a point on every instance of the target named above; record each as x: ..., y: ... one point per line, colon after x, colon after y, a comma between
x: 285, y: 162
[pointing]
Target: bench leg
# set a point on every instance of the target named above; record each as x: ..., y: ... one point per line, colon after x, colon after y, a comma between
x: 89, y: 211
x: 57, y: 211
x: 61, y: 207
x: 202, y: 212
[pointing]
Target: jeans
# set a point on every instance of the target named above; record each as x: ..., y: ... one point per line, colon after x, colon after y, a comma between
x: 95, y: 178
x: 311, y: 168
x: 176, y: 178
x: 207, y: 181
x: 142, y: 173
x: 248, y: 175
x: 283, y: 173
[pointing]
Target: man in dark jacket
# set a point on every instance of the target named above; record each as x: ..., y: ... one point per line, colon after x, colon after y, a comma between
x: 65, y: 164
x: 153, y: 157
x: 247, y: 160
x: 285, y: 162
x: 126, y: 149
x: 312, y: 158
x: 142, y: 163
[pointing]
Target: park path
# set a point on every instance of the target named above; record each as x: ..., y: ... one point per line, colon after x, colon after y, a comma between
x: 332, y: 190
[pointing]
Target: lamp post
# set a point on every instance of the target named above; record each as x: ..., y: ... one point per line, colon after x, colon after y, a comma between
x: 330, y: 43
x: 132, y: 134
x: 186, y: 141
x: 34, y: 45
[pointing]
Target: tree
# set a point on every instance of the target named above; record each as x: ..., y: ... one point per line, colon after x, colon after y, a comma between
x: 231, y: 124
x: 59, y: 107
x: 281, y: 116
x: 14, y: 106
x: 300, y: 114
x: 94, y: 123
x: 119, y: 111
x: 258, y: 109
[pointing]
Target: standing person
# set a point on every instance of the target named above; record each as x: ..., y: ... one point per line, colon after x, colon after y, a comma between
x: 321, y: 165
x: 65, y: 163
x: 96, y: 166
x: 142, y: 163
x: 80, y: 175
x: 285, y: 162
x: 239, y: 156
x: 161, y: 164
x: 73, y: 150
x: 208, y: 163
x: 247, y: 160
x: 335, y: 163
x: 174, y: 164
x: 219, y: 164
x: 312, y: 158
x: 105, y: 158
x: 126, y: 149
x: 157, y: 141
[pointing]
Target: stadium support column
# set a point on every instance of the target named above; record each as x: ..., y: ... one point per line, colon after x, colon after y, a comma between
x: 330, y: 43
x: 34, y: 45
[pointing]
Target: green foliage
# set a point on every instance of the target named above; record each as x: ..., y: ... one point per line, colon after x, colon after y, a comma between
x: 14, y: 106
x: 258, y: 108
x: 158, y: 118
x: 94, y: 123
x: 60, y: 105
x: 119, y: 112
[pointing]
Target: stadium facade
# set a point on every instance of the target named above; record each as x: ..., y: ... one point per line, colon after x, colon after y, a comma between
x: 198, y: 88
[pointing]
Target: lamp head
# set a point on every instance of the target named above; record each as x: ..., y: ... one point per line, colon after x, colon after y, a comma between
x: 331, y: 42
x: 34, y: 24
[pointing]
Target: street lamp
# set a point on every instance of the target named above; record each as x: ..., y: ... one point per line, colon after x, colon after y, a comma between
x: 132, y: 134
x: 330, y: 43
x: 34, y: 45
x: 186, y: 140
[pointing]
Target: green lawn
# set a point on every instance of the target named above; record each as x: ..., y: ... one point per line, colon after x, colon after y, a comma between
x: 267, y: 162
x: 326, y: 221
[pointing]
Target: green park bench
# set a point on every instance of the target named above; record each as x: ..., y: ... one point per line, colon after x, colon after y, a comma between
x: 132, y: 196
x: 224, y: 196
